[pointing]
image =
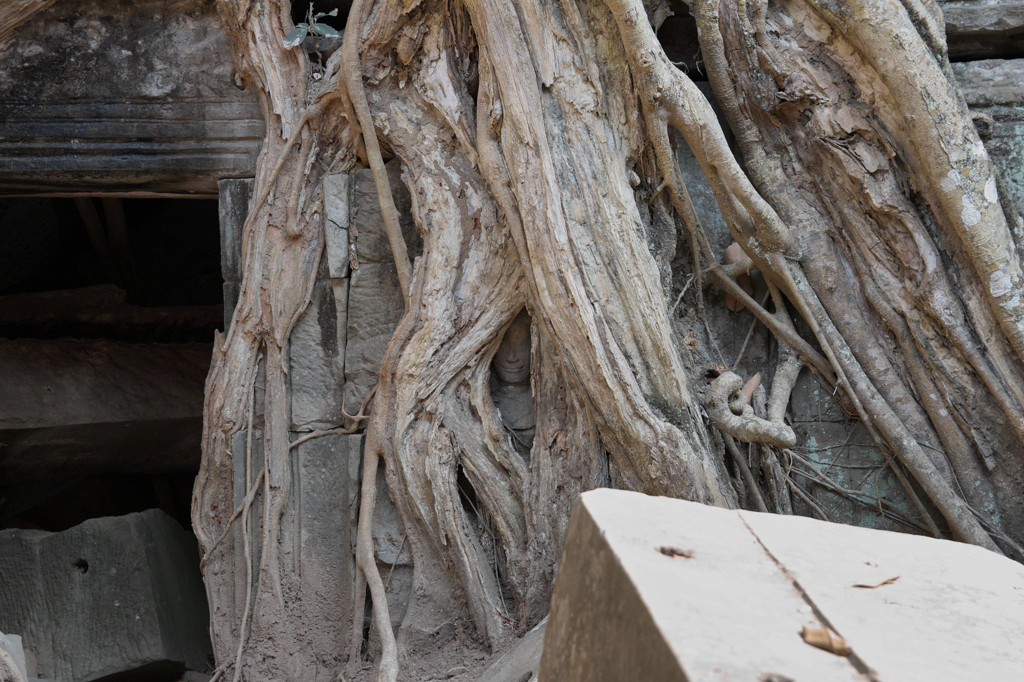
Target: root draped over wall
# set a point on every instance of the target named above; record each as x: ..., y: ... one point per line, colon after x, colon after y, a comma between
x: 519, y: 126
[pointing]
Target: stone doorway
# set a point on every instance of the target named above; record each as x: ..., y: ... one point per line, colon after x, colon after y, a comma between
x: 108, y: 309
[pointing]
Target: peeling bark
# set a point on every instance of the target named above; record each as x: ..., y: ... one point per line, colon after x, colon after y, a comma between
x: 519, y: 126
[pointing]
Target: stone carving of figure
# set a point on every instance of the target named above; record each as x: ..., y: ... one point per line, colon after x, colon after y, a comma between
x: 510, y: 384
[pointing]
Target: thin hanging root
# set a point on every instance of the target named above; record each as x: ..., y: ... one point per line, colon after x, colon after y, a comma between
x: 353, y: 72
x: 247, y: 614
x: 361, y: 417
x: 368, y: 566
x: 748, y: 476
x: 242, y: 508
x: 355, y: 645
x: 885, y: 507
x: 802, y: 494
x: 251, y: 492
x: 750, y: 333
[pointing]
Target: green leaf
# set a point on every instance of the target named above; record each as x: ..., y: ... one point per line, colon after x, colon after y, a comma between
x: 296, y: 35
x: 333, y: 12
x: 326, y: 31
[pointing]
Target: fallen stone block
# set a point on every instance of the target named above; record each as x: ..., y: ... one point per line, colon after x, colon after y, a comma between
x: 652, y: 588
x: 112, y: 595
x: 12, y: 659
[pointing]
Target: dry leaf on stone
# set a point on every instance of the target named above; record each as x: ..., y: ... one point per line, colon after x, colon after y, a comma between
x: 823, y: 638
x: 675, y: 551
x: 887, y: 581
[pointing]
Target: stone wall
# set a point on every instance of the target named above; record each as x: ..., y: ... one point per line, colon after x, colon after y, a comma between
x: 124, y: 96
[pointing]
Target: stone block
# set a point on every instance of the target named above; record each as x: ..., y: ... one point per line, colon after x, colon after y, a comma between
x: 976, y: 29
x: 375, y: 306
x: 235, y: 196
x: 367, y: 231
x: 652, y: 588
x: 337, y: 204
x: 66, y: 381
x: 317, y: 358
x: 12, y: 659
x: 810, y: 401
x: 111, y: 595
x: 326, y: 563
x: 521, y: 663
x: 232, y: 291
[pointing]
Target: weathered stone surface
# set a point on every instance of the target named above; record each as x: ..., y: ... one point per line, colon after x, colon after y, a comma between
x: 976, y: 29
x: 81, y: 407
x: 367, y: 224
x: 111, y: 595
x: 140, y: 97
x: 661, y: 589
x: 730, y: 327
x: 317, y: 358
x: 53, y: 383
x: 521, y: 663
x: 326, y: 560
x: 234, y: 197
x: 337, y: 209
x: 102, y: 311
x: 375, y: 306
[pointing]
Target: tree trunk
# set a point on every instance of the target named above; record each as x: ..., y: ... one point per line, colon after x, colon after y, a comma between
x: 535, y: 139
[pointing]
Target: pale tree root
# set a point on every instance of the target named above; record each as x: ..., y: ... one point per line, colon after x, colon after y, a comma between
x: 729, y: 410
x: 667, y: 95
x: 365, y: 564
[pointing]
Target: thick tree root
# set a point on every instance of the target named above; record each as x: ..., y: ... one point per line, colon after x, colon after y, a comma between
x: 730, y: 412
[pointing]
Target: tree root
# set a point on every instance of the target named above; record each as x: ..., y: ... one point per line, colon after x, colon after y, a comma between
x: 730, y: 412
x: 748, y: 476
x: 367, y: 565
x: 667, y: 96
x: 855, y: 495
x: 353, y: 73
